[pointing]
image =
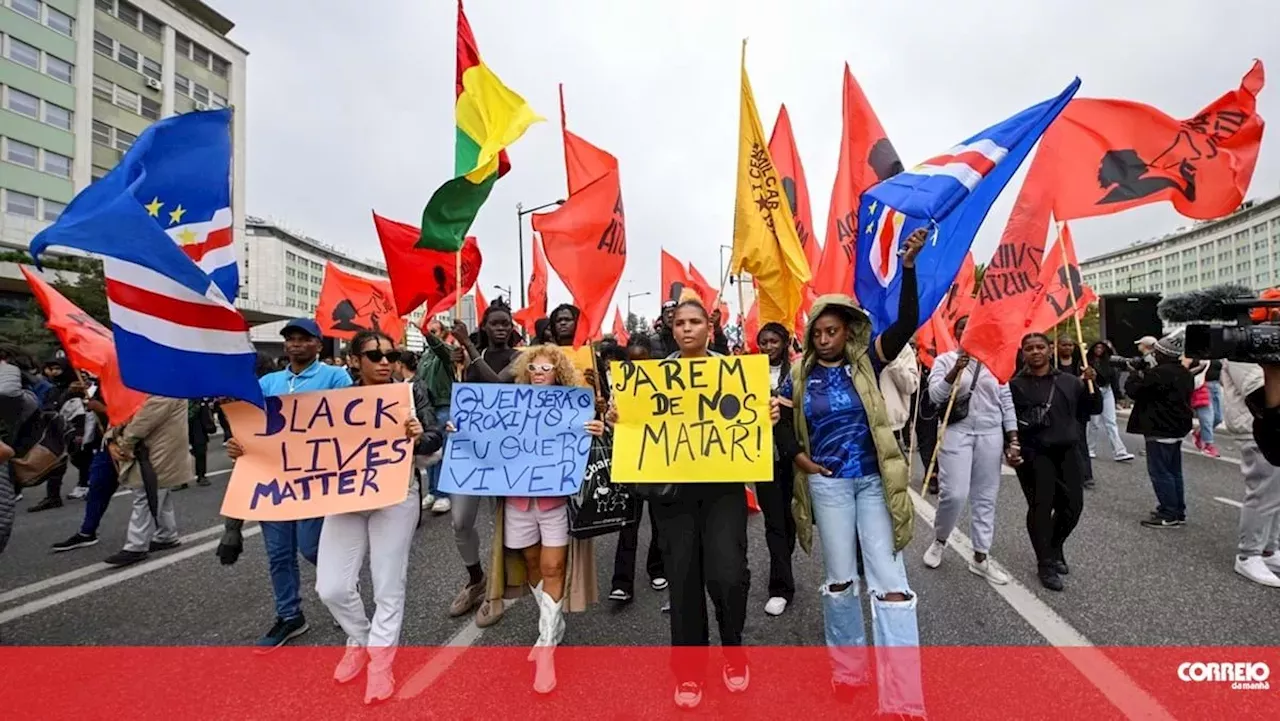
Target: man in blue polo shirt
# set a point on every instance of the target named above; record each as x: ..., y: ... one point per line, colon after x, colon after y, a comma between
x: 286, y: 539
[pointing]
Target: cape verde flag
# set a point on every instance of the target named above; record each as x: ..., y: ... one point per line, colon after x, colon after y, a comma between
x: 176, y: 331
x: 950, y: 195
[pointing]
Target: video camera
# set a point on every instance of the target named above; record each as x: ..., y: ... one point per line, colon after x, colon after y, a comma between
x: 1254, y: 337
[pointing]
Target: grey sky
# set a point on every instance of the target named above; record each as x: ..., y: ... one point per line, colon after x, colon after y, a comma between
x: 350, y: 105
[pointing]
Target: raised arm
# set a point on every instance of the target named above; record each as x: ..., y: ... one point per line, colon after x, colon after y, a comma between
x: 894, y: 338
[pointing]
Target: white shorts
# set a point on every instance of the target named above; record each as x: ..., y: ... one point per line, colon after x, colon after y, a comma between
x: 522, y: 529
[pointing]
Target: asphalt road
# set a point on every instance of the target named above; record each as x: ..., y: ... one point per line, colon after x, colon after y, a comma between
x: 1129, y: 586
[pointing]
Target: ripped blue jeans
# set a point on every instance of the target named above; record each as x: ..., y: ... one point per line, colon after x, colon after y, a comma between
x: 846, y: 511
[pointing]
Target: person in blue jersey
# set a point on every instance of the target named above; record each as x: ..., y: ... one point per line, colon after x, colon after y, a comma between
x: 286, y: 539
x: 851, y: 481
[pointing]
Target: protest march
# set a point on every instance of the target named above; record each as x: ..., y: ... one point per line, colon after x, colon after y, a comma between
x: 872, y: 463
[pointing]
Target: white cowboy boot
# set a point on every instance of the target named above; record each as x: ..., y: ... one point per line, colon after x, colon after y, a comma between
x: 538, y: 597
x: 551, y: 632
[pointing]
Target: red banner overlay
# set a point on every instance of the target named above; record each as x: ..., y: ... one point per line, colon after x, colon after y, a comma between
x: 629, y: 683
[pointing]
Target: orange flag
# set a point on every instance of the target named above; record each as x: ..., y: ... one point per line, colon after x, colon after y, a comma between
x: 620, y: 329
x: 1111, y: 155
x: 866, y: 158
x: 1060, y: 283
x: 782, y: 148
x: 707, y: 293
x: 351, y: 303
x: 586, y: 239
x: 675, y: 278
x: 537, y: 308
x: 481, y: 301
x: 424, y: 276
x: 937, y: 336
x: 89, y: 347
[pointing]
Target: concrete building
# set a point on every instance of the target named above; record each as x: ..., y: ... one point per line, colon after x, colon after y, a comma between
x: 1242, y: 248
x: 81, y: 79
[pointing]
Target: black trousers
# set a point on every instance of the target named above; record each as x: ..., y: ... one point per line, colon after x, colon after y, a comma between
x: 703, y: 536
x: 779, y: 530
x: 1086, y: 465
x: 926, y: 440
x: 624, y: 559
x: 1052, y: 481
x: 201, y: 455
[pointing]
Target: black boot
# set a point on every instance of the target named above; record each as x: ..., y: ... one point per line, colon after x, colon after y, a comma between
x: 48, y: 503
x: 1049, y: 577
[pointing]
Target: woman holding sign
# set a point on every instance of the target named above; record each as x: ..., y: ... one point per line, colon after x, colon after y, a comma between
x: 385, y: 535
x: 851, y: 481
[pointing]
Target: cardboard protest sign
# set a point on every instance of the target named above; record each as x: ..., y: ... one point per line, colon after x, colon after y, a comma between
x: 582, y: 358
x: 318, y: 454
x: 514, y: 440
x: 693, y: 420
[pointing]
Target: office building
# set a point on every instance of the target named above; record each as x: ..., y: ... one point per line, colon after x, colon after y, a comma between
x: 1242, y: 248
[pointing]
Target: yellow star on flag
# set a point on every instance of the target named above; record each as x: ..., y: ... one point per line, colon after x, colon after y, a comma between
x: 175, y: 215
x: 874, y: 205
x: 186, y: 237
x: 153, y: 208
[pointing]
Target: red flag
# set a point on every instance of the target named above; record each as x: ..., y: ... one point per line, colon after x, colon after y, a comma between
x: 424, y: 276
x: 937, y: 336
x: 782, y: 148
x: 707, y: 293
x: 1060, y: 283
x: 866, y: 158
x: 89, y: 347
x: 675, y: 278
x: 1110, y: 155
x: 751, y: 327
x: 620, y: 328
x: 537, y: 308
x: 351, y: 303
x: 586, y: 239
x: 481, y: 301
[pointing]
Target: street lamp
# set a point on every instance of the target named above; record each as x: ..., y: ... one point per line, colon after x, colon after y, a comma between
x: 507, y: 289
x: 722, y: 250
x: 520, y: 213
x: 634, y: 295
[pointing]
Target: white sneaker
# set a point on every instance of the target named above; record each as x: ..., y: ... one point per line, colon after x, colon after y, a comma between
x: 442, y: 505
x: 1093, y: 454
x: 78, y: 493
x: 933, y: 556
x: 1256, y: 570
x: 1124, y: 457
x: 352, y: 663
x: 428, y: 501
x: 988, y: 571
x: 1273, y: 562
x: 688, y: 695
x: 775, y: 606
x: 659, y: 584
x: 380, y: 686
x: 736, y: 680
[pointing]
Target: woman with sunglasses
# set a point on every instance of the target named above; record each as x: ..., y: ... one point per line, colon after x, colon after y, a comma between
x: 384, y: 535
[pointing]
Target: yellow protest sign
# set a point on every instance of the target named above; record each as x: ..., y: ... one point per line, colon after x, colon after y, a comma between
x: 693, y: 420
x: 583, y: 359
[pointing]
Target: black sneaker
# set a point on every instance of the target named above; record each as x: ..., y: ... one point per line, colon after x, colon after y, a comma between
x: 1090, y: 484
x: 202, y: 481
x: 126, y: 558
x: 164, y: 545
x: 618, y: 595
x: 46, y: 504
x: 1050, y: 579
x: 281, y: 633
x: 77, y: 541
x: 1061, y: 567
x: 1162, y: 522
x: 181, y: 487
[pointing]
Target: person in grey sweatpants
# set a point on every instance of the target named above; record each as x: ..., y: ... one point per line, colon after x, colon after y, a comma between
x: 969, y: 461
x: 1256, y: 557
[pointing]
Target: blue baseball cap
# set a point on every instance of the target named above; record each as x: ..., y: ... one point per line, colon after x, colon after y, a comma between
x: 306, y: 325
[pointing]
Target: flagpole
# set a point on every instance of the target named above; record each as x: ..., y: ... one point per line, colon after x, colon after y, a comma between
x: 942, y: 427
x: 1071, y: 294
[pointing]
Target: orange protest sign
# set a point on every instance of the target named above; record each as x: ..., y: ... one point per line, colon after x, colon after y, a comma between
x: 317, y: 454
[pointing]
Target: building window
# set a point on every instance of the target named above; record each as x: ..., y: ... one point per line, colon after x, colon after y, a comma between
x: 106, y: 6
x: 30, y: 8
x: 103, y: 89
x: 21, y: 153
x: 150, y: 109
x: 151, y: 69
x: 221, y: 67
x: 200, y: 93
x: 23, y: 104
x: 127, y: 13
x: 98, y: 172
x: 57, y: 116
x: 57, y: 164
x: 59, y: 21
x: 1260, y: 229
x: 199, y: 55
x: 183, y: 45
x: 152, y: 27
x: 181, y: 85
x: 124, y: 140
x: 16, y: 203
x: 103, y: 44
x: 101, y: 133
x: 127, y: 56
x: 52, y: 209
x: 126, y: 99
x: 59, y: 69
x: 22, y: 53
x: 217, y: 100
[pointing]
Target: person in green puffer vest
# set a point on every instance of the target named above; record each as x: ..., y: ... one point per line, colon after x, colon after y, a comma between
x: 851, y: 481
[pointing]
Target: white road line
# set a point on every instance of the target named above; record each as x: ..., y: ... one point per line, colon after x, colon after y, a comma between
x: 125, y: 574
x: 1228, y: 501
x: 127, y: 491
x: 1192, y: 450
x: 435, y: 667
x: 79, y: 573
x: 1123, y: 692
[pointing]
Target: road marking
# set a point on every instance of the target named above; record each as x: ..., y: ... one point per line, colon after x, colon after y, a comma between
x: 79, y: 573
x: 123, y: 575
x: 127, y: 491
x: 452, y: 650
x: 1123, y: 692
x: 1192, y: 450
x: 1228, y: 501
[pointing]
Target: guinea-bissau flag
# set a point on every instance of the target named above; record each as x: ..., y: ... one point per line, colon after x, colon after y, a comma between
x: 490, y: 117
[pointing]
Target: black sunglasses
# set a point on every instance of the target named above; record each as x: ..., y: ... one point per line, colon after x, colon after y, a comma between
x: 376, y: 356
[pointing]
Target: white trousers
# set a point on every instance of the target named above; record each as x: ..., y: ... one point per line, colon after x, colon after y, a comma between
x: 385, y: 535
x: 969, y: 470
x: 1105, y: 422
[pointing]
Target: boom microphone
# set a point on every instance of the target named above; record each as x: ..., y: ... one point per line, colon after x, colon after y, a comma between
x: 1221, y: 302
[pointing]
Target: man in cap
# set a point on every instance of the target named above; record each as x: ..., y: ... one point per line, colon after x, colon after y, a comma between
x: 286, y: 539
x: 1162, y: 414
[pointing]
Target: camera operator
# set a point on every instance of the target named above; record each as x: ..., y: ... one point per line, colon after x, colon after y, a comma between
x: 1162, y: 415
x: 1242, y: 395
x: 1266, y: 424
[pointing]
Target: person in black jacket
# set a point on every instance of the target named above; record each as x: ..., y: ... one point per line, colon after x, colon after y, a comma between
x: 775, y: 498
x: 1069, y: 359
x: 1050, y: 406
x: 1162, y: 415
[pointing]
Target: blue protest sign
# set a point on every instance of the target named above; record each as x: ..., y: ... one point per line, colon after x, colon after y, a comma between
x: 513, y: 440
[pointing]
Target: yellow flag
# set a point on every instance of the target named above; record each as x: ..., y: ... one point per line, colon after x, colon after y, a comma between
x: 765, y: 242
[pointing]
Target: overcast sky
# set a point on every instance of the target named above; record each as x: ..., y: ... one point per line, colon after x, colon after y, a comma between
x: 350, y: 105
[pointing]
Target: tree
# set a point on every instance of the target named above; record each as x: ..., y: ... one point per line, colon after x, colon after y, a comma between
x: 636, y: 324
x: 88, y: 291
